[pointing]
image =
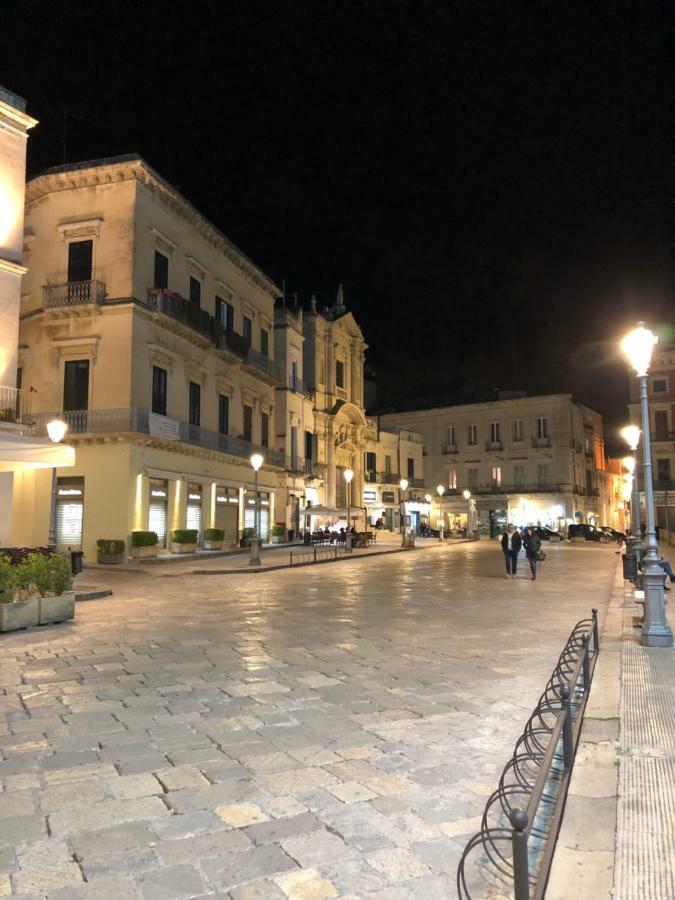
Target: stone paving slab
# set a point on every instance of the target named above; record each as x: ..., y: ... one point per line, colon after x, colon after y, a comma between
x: 325, y: 732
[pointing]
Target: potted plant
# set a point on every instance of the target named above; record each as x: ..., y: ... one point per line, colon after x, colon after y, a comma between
x: 15, y: 611
x: 52, y: 579
x: 110, y: 552
x: 185, y: 540
x: 213, y: 539
x: 278, y: 533
x: 36, y: 592
x: 144, y: 544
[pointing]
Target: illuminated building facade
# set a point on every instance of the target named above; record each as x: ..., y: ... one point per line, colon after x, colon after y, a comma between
x: 528, y: 460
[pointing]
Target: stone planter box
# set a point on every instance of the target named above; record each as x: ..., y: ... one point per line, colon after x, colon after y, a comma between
x: 183, y: 548
x: 213, y: 545
x: 278, y: 538
x: 21, y: 614
x: 114, y: 559
x: 144, y: 552
x: 56, y: 609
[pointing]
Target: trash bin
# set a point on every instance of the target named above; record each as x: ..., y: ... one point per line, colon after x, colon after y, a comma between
x: 76, y: 564
x: 307, y: 538
x: 630, y: 567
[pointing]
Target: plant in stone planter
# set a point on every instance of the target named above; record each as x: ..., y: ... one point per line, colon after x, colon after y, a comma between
x: 185, y: 540
x: 278, y: 533
x: 46, y: 575
x: 144, y: 543
x: 213, y: 539
x: 110, y: 552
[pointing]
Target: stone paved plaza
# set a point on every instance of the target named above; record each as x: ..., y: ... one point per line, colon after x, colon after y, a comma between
x: 325, y: 732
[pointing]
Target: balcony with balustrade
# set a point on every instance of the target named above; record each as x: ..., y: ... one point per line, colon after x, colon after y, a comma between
x: 11, y: 405
x: 132, y: 420
x: 64, y: 293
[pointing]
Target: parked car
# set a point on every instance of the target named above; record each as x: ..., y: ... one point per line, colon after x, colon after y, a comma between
x: 546, y: 534
x: 614, y: 535
x: 587, y: 533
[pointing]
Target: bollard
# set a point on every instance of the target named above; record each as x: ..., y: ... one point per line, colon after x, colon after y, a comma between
x: 568, y: 739
x: 521, y: 866
x: 596, y: 640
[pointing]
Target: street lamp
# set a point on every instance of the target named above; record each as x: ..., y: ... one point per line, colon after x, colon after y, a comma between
x: 56, y: 431
x: 403, y: 484
x: 349, y: 474
x: 440, y: 490
x: 638, y: 346
x: 257, y: 459
x: 467, y: 496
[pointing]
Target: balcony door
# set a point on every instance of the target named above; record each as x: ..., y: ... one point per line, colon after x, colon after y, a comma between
x: 80, y: 257
x: 76, y: 385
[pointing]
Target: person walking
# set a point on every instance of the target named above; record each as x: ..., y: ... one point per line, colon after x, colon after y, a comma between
x: 532, y: 546
x: 511, y: 544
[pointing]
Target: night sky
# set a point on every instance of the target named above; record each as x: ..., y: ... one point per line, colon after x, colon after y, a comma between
x: 493, y: 183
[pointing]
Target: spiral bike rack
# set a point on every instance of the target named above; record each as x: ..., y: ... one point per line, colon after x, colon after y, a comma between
x: 526, y: 809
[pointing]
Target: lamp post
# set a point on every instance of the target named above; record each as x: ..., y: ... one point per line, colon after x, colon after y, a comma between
x: 349, y: 474
x: 638, y: 346
x: 56, y: 431
x: 469, y: 523
x: 403, y: 484
x: 257, y: 459
x: 440, y: 490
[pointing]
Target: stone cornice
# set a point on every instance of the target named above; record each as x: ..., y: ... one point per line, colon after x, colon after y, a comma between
x: 6, y: 265
x: 129, y: 168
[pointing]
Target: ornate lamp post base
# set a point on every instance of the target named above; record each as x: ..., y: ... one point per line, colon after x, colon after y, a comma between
x: 655, y: 631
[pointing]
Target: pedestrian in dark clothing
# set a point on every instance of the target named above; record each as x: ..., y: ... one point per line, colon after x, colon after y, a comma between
x: 511, y: 544
x: 532, y: 546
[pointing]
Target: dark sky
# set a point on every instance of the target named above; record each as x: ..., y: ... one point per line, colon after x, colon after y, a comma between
x: 492, y: 182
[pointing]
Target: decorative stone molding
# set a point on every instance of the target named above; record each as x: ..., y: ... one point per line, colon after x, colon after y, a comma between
x: 195, y: 267
x: 196, y: 373
x: 69, y: 347
x: 80, y: 228
x: 160, y: 356
x: 162, y: 242
x: 225, y: 386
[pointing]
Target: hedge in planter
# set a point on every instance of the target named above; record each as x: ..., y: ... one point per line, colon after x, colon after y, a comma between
x: 144, y: 543
x: 185, y: 540
x: 110, y: 551
x: 213, y: 538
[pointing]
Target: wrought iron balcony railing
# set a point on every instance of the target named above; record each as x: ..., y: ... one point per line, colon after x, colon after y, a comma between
x: 10, y: 404
x: 661, y: 436
x: 389, y: 478
x: 262, y: 363
x: 138, y: 421
x: 550, y: 488
x: 73, y: 293
x: 541, y: 442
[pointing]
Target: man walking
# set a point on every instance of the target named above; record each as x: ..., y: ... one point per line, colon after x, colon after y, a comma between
x: 511, y: 544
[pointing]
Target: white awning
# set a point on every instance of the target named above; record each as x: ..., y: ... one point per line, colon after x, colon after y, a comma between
x: 18, y: 452
x: 319, y: 511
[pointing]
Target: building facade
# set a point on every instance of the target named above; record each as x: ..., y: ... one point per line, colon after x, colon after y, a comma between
x: 150, y: 334
x: 529, y: 460
x: 661, y: 387
x: 172, y: 359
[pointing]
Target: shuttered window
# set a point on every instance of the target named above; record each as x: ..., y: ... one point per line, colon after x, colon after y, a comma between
x: 194, y: 507
x: 157, y: 509
x: 69, y: 513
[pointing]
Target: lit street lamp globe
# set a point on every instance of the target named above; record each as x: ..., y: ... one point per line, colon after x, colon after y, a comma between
x: 637, y: 346
x: 349, y: 474
x: 257, y: 459
x: 440, y: 490
x: 403, y: 484
x: 466, y: 495
x: 57, y: 430
x: 631, y: 435
x: 628, y: 463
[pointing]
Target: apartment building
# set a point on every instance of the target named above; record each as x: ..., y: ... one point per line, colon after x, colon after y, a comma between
x: 523, y: 459
x: 151, y: 335
x: 661, y: 387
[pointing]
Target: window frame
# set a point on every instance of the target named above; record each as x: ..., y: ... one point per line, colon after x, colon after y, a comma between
x: 160, y: 287
x: 194, y: 392
x: 340, y: 374
x: 154, y: 385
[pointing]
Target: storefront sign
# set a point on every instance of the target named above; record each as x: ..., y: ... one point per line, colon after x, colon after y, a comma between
x: 388, y: 497
x: 162, y: 426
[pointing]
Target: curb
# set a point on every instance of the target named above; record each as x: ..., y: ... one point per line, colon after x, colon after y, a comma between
x: 583, y: 862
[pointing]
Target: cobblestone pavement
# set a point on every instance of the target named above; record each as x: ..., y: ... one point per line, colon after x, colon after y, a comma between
x: 327, y: 732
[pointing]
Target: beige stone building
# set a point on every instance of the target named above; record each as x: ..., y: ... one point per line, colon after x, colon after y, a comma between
x: 523, y: 459
x: 151, y: 335
x: 172, y: 359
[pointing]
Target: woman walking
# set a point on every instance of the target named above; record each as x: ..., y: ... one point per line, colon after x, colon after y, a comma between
x: 511, y: 544
x: 532, y: 546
